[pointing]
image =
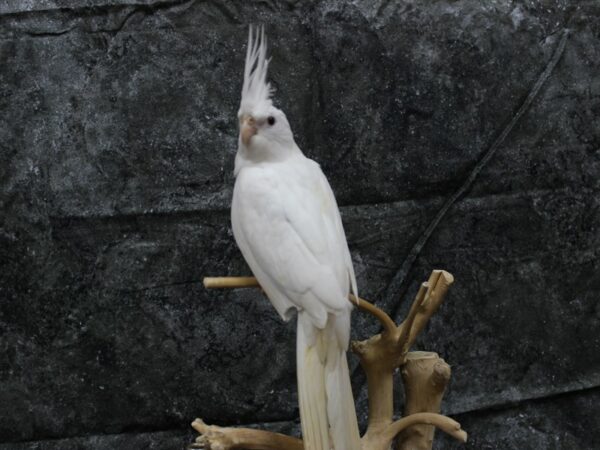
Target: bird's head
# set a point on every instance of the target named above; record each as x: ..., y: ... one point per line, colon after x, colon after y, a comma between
x: 265, y: 132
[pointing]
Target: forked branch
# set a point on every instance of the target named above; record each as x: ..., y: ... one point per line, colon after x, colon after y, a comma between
x: 244, y: 282
x: 380, y: 356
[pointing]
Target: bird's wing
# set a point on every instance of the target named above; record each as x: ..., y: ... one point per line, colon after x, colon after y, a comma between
x: 339, y: 234
x: 287, y: 225
x: 330, y: 228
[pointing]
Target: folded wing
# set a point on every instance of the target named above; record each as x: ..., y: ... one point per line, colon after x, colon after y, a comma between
x: 287, y: 225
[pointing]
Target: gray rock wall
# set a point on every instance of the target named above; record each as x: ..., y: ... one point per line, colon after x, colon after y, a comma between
x: 117, y: 139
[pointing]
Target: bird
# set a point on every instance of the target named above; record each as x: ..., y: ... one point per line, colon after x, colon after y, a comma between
x: 287, y: 224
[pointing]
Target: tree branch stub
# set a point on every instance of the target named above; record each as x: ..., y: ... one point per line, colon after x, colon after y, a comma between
x: 425, y: 377
x: 437, y: 286
x: 225, y: 438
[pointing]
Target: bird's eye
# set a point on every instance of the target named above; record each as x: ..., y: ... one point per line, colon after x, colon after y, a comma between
x: 271, y: 120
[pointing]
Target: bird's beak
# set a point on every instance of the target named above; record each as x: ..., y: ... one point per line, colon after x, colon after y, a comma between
x: 248, y: 129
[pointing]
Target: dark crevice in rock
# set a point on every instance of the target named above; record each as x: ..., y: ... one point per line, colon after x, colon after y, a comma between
x: 184, y: 430
x: 593, y: 388
x: 94, y: 7
x: 160, y: 286
x: 222, y: 209
x: 396, y: 287
x: 557, y: 395
x: 48, y: 33
x: 397, y: 284
x: 129, y: 431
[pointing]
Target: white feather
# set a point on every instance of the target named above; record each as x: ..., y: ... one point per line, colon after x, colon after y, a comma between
x: 312, y: 395
x: 255, y: 90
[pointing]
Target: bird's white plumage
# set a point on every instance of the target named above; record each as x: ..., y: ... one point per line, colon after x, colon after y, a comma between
x: 287, y: 224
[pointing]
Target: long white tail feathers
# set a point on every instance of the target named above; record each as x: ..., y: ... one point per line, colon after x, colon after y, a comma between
x: 340, y: 402
x: 311, y: 386
x: 327, y: 412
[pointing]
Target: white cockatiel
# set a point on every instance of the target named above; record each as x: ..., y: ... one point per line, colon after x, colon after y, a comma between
x: 286, y: 223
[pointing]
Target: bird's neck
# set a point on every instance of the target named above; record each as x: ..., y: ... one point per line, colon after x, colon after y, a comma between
x: 264, y: 154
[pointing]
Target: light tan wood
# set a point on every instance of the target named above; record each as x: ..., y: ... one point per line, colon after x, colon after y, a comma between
x: 385, y: 320
x: 229, y: 282
x: 425, y: 376
x: 221, y: 438
x: 446, y: 424
x: 437, y: 286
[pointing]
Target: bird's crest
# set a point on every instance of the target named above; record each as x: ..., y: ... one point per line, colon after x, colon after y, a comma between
x: 256, y: 92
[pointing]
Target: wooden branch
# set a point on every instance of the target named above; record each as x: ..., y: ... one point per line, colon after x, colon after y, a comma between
x: 436, y: 288
x: 385, y: 320
x: 406, y: 327
x: 425, y: 376
x: 229, y: 282
x: 225, y: 438
x: 380, y: 356
x: 245, y: 282
x: 446, y: 424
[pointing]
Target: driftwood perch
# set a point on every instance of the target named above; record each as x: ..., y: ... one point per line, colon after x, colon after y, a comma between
x: 424, y: 374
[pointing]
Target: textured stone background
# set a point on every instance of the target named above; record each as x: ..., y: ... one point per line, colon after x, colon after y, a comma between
x: 117, y: 139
